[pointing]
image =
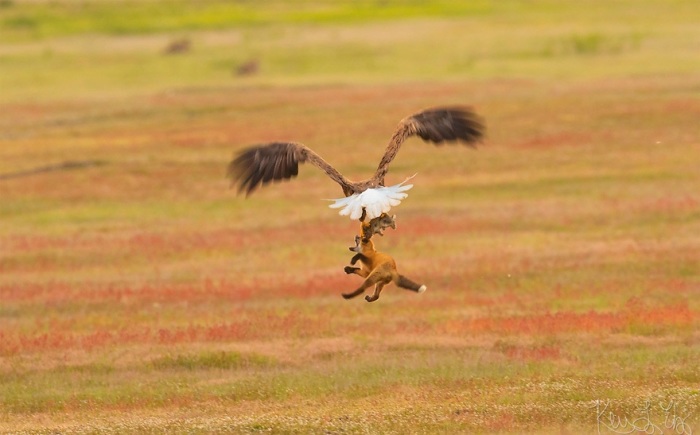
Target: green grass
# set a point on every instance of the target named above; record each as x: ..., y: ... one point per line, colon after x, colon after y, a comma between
x: 111, y: 48
x: 533, y: 393
x: 42, y: 20
x: 212, y: 360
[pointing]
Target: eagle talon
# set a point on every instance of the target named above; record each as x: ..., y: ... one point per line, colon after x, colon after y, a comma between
x: 364, y: 214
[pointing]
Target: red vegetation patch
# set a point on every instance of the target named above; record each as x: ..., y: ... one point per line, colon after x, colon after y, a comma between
x: 161, y: 242
x: 62, y: 292
x: 259, y: 326
x: 57, y: 292
x: 685, y: 106
x: 317, y: 285
x: 671, y: 204
x: 634, y: 316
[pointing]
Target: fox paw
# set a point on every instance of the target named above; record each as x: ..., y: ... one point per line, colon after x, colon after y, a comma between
x: 350, y: 269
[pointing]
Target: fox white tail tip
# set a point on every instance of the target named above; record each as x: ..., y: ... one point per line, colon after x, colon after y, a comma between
x: 422, y: 289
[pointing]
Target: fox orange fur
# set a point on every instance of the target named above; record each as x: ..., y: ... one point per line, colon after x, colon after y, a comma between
x: 378, y: 268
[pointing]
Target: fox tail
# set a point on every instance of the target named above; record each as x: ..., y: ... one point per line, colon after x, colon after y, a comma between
x: 406, y: 283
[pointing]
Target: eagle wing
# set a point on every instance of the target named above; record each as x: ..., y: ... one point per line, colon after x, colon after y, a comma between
x: 262, y: 164
x: 435, y: 125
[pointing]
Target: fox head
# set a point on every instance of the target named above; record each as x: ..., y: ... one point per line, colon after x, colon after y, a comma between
x: 362, y: 245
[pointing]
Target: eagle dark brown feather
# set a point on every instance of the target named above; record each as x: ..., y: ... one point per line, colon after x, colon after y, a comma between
x: 433, y: 125
x: 448, y: 124
x: 262, y: 164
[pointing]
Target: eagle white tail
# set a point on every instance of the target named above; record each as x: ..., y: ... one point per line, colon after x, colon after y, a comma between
x: 375, y: 200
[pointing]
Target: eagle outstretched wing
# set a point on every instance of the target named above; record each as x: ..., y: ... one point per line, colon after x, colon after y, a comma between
x: 437, y: 125
x: 262, y: 164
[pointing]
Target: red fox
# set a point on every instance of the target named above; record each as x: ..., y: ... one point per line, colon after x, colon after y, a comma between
x: 378, y: 269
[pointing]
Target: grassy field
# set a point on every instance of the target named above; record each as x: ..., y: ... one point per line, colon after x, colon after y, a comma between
x: 139, y: 294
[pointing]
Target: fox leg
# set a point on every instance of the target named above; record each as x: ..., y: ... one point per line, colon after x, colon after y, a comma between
x: 357, y: 292
x: 358, y: 257
x: 377, y: 289
x: 356, y: 270
x: 371, y: 280
x: 407, y: 284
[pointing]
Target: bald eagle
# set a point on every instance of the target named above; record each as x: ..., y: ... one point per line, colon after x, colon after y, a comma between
x: 262, y: 164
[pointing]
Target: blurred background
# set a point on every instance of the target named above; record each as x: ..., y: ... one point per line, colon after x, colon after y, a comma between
x: 55, y: 49
x: 139, y: 293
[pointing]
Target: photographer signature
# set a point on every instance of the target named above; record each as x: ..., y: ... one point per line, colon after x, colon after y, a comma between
x: 609, y: 421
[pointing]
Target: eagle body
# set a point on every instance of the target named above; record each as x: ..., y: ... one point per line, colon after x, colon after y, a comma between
x: 373, y: 201
x: 261, y: 164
